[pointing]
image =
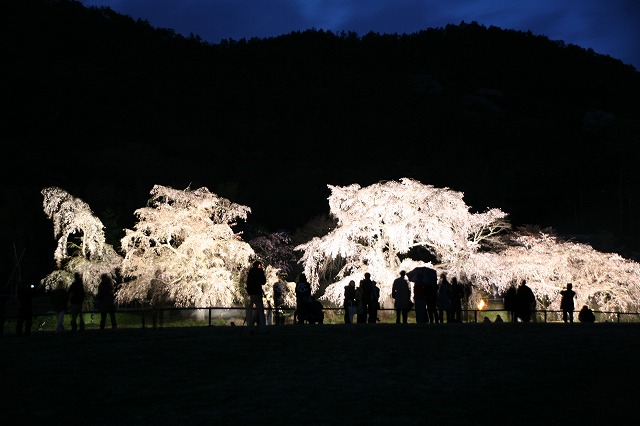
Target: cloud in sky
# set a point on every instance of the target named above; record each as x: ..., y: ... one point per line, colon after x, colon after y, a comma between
x: 608, y: 27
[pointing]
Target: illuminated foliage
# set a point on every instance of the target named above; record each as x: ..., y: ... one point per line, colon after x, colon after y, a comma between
x: 187, y: 234
x: 604, y: 281
x: 379, y: 224
x: 74, y: 221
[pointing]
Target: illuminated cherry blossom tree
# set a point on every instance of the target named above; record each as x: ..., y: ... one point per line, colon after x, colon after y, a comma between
x: 90, y: 255
x: 604, y: 281
x: 378, y: 225
x: 187, y: 235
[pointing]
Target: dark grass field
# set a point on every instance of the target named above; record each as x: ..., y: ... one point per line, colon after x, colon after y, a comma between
x: 326, y: 374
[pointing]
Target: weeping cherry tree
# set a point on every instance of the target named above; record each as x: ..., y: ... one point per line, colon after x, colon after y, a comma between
x: 187, y: 235
x: 603, y: 281
x: 81, y: 241
x: 378, y: 225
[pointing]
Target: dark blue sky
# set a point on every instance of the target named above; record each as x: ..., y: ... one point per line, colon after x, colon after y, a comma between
x: 609, y: 27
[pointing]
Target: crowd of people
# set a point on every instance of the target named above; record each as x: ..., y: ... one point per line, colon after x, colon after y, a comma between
x: 439, y: 300
x: 72, y: 300
x: 435, y: 300
x: 64, y: 301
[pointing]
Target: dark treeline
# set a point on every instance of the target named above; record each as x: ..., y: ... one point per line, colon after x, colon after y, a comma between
x: 105, y: 107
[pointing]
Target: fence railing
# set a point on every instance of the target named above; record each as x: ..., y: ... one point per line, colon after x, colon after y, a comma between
x: 145, y: 317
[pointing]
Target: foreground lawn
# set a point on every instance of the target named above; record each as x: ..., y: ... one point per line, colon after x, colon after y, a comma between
x: 326, y: 374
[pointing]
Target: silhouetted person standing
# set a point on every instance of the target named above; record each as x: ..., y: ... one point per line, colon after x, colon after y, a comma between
x: 279, y: 290
x: 59, y: 304
x: 365, y: 305
x: 402, y: 297
x: 76, y: 299
x: 510, y: 303
x: 374, y: 305
x: 525, y: 302
x: 444, y: 299
x: 420, y: 298
x: 566, y: 303
x: 303, y: 299
x: 106, y: 301
x: 157, y: 296
x: 256, y: 278
x: 350, y: 302
x: 25, y: 311
x: 457, y: 292
x: 431, y: 287
x: 363, y: 294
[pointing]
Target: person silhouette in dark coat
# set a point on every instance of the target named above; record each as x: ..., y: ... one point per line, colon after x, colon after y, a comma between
x: 364, y: 298
x: 374, y: 304
x: 525, y: 302
x: 158, y: 297
x: 59, y: 304
x: 303, y: 300
x: 586, y: 315
x: 444, y: 299
x: 25, y: 311
x: 566, y: 303
x: 256, y: 279
x: 279, y: 290
x: 457, y: 293
x: 420, y: 298
x: 431, y: 294
x: 76, y: 300
x: 350, y: 303
x: 106, y: 301
x: 401, y: 294
x: 510, y: 303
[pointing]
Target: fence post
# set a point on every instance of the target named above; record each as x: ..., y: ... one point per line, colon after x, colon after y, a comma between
x: 475, y: 315
x: 209, y: 317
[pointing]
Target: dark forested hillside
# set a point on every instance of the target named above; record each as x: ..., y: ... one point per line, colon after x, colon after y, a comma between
x: 105, y: 107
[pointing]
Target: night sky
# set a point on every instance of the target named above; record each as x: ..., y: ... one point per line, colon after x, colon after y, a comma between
x: 608, y: 27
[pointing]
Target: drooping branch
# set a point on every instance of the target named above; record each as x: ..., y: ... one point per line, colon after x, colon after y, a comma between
x: 378, y: 224
x: 187, y: 235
